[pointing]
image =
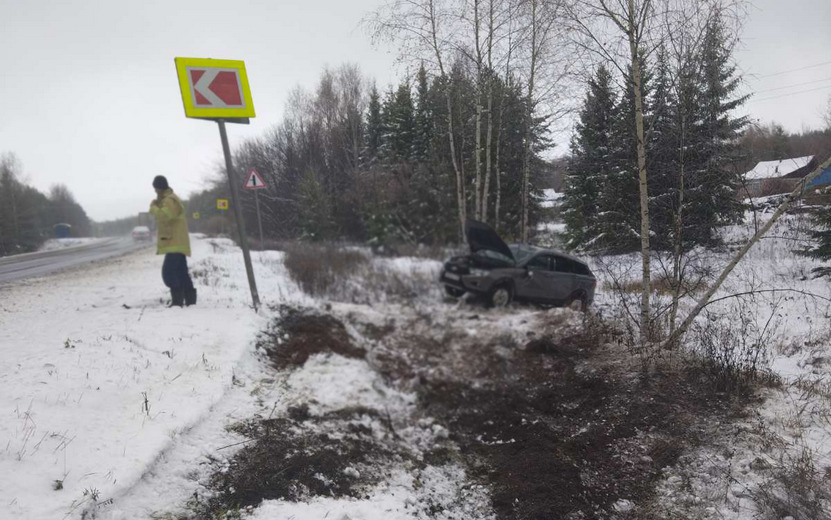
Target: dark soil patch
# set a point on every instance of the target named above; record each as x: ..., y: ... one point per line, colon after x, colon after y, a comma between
x: 300, y: 333
x: 292, y: 459
x: 564, y: 439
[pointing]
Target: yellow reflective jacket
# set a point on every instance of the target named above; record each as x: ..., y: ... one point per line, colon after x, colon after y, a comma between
x: 172, y: 224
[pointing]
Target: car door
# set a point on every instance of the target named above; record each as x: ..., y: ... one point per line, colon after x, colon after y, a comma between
x: 532, y: 286
x: 584, y: 280
x: 561, y: 280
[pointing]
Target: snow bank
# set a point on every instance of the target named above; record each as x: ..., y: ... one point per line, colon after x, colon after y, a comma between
x: 63, y: 243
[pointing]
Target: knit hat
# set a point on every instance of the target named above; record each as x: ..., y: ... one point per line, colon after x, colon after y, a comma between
x: 160, y: 182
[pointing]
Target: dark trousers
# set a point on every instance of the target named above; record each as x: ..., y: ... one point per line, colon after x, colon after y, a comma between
x: 175, y: 271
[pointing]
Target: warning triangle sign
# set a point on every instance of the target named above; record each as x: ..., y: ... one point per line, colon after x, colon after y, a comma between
x: 254, y: 181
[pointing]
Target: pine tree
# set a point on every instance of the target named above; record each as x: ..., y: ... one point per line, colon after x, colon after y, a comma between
x: 590, y: 153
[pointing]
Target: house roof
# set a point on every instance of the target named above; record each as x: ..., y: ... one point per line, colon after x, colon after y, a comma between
x: 823, y: 179
x: 775, y: 169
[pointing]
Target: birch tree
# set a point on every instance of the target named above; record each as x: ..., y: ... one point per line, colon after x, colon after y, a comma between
x: 615, y: 29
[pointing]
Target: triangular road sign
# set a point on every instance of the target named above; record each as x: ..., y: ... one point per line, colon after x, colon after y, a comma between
x: 254, y: 181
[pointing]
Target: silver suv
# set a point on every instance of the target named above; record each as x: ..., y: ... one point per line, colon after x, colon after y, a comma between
x: 503, y: 273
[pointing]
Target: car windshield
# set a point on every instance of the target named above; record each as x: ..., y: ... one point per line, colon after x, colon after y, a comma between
x: 493, y: 255
x: 521, y: 252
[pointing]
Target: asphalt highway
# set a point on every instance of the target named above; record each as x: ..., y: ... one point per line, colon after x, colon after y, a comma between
x: 18, y: 267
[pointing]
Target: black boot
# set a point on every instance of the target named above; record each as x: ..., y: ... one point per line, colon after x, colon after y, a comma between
x: 177, y: 297
x: 190, y: 296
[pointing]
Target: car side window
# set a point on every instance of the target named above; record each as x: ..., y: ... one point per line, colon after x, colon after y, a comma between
x: 563, y: 265
x: 582, y: 269
x: 538, y: 263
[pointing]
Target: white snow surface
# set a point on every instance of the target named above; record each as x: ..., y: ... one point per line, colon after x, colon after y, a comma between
x: 98, y: 377
x: 774, y: 169
x: 112, y: 402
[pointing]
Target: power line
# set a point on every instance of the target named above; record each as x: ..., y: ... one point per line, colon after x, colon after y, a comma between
x: 790, y: 94
x: 794, y: 85
x: 794, y: 70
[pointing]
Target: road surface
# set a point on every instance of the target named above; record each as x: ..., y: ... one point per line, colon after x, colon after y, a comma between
x: 18, y: 267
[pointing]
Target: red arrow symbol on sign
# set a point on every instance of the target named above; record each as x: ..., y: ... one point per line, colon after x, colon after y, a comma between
x: 216, y: 88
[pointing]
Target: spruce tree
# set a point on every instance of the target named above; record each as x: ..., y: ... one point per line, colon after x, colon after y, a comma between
x: 822, y: 236
x: 400, y: 124
x: 590, y: 153
x: 619, y: 202
x: 385, y: 151
x: 663, y: 143
x: 374, y: 126
x: 714, y: 183
x: 423, y: 132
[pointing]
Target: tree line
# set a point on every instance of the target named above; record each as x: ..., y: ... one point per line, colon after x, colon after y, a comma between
x: 464, y: 135
x: 28, y: 217
x: 350, y: 161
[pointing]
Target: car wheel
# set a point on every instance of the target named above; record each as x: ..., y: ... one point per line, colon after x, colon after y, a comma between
x: 577, y: 302
x: 454, y: 292
x: 501, y: 296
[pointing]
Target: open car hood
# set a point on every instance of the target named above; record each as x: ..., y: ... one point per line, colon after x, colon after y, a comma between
x: 481, y: 236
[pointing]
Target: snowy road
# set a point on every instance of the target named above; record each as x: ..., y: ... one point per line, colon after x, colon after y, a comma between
x: 18, y: 267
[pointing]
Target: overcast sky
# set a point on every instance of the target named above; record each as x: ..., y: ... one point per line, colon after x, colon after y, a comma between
x: 89, y: 97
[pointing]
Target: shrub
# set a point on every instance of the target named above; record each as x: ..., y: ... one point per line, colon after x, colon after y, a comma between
x: 734, y: 350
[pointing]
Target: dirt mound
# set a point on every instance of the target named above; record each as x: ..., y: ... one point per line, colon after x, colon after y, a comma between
x: 300, y: 333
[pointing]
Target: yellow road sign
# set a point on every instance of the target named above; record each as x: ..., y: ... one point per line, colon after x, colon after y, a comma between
x: 214, y: 88
x: 195, y: 215
x: 222, y: 204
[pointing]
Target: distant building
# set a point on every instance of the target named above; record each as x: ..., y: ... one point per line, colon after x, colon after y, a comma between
x: 774, y: 177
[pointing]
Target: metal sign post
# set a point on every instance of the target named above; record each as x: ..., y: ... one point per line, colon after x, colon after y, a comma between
x: 218, y: 90
x: 255, y: 182
x: 259, y: 218
x: 243, y: 238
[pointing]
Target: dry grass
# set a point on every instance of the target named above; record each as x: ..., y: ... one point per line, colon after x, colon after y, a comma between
x: 318, y: 269
x: 662, y: 285
x: 796, y: 489
x: 352, y: 275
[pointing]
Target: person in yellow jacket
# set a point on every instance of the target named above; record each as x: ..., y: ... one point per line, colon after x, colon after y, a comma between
x: 173, y: 243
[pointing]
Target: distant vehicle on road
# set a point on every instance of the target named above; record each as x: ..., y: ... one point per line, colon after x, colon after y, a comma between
x: 141, y: 234
x: 503, y: 273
